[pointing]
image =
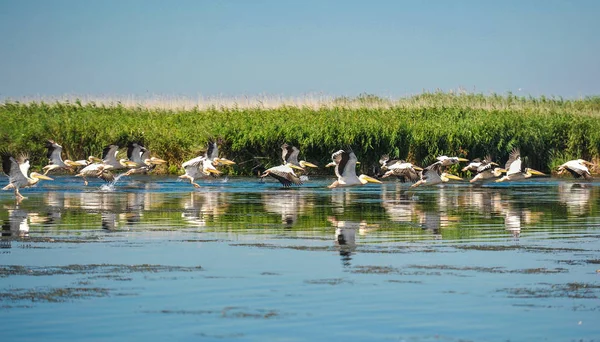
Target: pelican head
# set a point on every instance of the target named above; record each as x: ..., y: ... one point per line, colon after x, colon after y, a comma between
x: 498, y: 171
x: 332, y: 164
x: 39, y: 176
x: 223, y: 161
x: 127, y: 163
x: 364, y: 179
x: 448, y: 176
x: 154, y: 161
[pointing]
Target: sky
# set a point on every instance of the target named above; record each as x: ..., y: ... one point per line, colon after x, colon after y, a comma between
x: 293, y: 48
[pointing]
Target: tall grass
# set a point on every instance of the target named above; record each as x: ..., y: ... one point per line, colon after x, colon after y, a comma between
x: 416, y: 128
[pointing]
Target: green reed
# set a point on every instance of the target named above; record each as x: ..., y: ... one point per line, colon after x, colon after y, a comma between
x: 547, y: 130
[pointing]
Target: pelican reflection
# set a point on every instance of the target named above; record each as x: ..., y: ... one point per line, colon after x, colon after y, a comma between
x: 17, y: 224
x: 199, y: 208
x: 288, y: 204
x: 576, y: 197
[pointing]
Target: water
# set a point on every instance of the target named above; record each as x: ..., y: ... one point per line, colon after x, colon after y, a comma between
x: 151, y: 258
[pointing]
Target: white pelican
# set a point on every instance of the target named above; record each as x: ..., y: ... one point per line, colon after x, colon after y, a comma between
x: 109, y: 159
x: 403, y: 170
x: 56, y: 162
x: 290, y: 155
x: 17, y: 170
x: 204, y: 166
x: 515, y: 170
x: 487, y: 171
x: 284, y: 174
x: 138, y: 154
x: 476, y: 163
x: 577, y: 168
x: 345, y: 170
x: 447, y: 161
x: 96, y: 170
x: 433, y: 175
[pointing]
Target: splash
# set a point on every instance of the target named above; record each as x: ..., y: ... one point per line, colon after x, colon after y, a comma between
x: 304, y: 178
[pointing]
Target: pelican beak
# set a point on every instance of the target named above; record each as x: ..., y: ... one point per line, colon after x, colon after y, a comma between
x: 305, y: 163
x: 464, y: 168
x: 215, y: 171
x: 95, y: 159
x: 453, y: 177
x: 295, y: 167
x: 501, y: 170
x: 330, y: 164
x: 588, y: 163
x: 417, y: 168
x: 535, y: 172
x: 371, y: 179
x: 224, y: 161
x: 157, y: 161
x: 463, y: 159
x: 39, y: 176
x: 492, y: 163
x: 357, y: 163
x: 129, y: 163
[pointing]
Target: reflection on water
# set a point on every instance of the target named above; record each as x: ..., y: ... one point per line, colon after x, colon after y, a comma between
x: 250, y: 262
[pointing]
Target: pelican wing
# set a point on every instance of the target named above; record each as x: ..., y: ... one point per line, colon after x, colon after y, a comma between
x: 513, y: 165
x: 406, y: 174
x: 289, y: 154
x: 577, y: 169
x: 193, y: 163
x: 212, y: 152
x: 54, y: 152
x: 285, y: 175
x: 134, y: 152
x: 432, y: 171
x: 12, y: 169
x: 110, y: 153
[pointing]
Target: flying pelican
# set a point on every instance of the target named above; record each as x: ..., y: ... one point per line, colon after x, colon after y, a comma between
x: 96, y: 170
x: 290, y: 155
x: 447, y: 161
x: 138, y: 154
x: 109, y: 159
x: 345, y: 170
x: 476, y: 163
x: 17, y: 170
x: 284, y: 174
x: 515, y: 170
x: 204, y: 166
x: 56, y: 162
x: 487, y: 170
x: 577, y: 168
x: 433, y: 175
x: 403, y: 170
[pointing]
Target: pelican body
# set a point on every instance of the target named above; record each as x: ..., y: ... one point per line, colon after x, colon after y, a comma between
x: 284, y: 174
x: 514, y: 167
x: 433, y: 175
x: 448, y: 161
x: 17, y: 170
x: 485, y: 169
x: 578, y: 168
x: 345, y: 170
x: 140, y: 159
x: 96, y: 170
x: 290, y: 153
x: 55, y: 159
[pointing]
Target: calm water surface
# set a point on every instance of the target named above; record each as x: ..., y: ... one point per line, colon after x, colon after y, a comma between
x: 153, y: 259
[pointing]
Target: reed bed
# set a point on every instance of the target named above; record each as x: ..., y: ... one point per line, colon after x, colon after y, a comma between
x: 548, y: 131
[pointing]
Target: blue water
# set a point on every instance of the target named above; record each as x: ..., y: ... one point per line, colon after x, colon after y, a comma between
x: 153, y: 258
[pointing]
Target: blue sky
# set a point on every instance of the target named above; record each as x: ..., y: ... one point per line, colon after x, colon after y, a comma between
x: 291, y: 48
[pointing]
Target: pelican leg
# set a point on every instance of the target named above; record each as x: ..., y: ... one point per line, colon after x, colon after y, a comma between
x: 18, y: 194
x: 85, y: 182
x: 334, y: 185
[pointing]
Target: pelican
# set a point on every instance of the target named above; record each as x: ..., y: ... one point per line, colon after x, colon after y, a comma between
x: 96, y: 170
x: 17, y: 170
x: 403, y: 170
x: 433, y: 175
x: 345, y: 170
x: 109, y: 159
x: 284, y: 174
x: 476, y: 163
x: 577, y: 168
x: 290, y: 155
x: 515, y: 170
x: 56, y: 162
x: 139, y: 156
x: 204, y: 166
x: 487, y: 171
x: 447, y: 161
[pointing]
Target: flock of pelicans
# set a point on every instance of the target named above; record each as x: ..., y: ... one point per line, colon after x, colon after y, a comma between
x: 288, y: 173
